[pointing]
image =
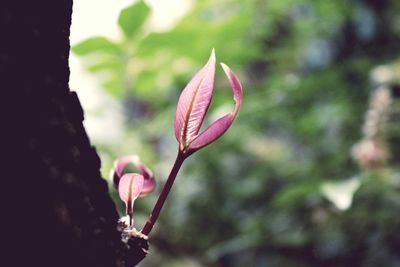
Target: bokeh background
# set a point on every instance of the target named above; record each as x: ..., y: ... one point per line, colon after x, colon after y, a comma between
x: 308, y: 175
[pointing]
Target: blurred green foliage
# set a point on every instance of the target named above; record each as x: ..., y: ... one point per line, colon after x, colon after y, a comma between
x: 281, y: 187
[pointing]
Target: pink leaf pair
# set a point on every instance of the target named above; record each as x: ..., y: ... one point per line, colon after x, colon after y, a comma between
x: 129, y: 188
x: 132, y: 185
x: 193, y: 105
x: 149, y: 182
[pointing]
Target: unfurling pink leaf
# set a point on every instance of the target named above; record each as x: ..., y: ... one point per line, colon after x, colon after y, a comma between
x: 129, y: 188
x: 119, y: 166
x: 193, y: 104
x: 148, y: 186
x: 220, y: 126
x: 122, y: 162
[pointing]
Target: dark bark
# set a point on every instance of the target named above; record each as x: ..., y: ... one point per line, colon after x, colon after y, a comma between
x: 59, y: 212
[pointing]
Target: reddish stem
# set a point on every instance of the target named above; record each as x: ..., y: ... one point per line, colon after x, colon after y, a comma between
x: 164, y: 193
x: 128, y: 211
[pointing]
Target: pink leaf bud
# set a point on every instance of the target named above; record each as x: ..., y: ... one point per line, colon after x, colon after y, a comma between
x: 122, y: 162
x: 129, y: 188
x: 193, y: 105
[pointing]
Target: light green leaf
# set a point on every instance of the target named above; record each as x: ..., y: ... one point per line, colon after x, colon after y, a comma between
x: 114, y: 86
x: 133, y: 17
x: 95, y: 44
x: 112, y: 65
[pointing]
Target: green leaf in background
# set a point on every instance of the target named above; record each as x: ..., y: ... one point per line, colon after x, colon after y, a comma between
x: 95, y: 44
x: 132, y: 18
x: 108, y: 64
x: 113, y: 85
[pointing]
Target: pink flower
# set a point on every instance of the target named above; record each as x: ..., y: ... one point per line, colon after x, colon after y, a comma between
x: 193, y: 105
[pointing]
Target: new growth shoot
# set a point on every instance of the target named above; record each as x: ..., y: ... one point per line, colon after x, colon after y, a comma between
x: 189, y: 116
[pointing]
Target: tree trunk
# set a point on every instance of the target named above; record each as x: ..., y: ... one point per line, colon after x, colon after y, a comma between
x: 59, y: 212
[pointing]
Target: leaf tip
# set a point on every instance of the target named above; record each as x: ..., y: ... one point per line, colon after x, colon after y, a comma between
x: 235, y: 83
x: 212, y: 56
x: 227, y: 70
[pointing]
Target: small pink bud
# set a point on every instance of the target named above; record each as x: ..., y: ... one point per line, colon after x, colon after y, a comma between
x: 129, y: 188
x: 122, y: 162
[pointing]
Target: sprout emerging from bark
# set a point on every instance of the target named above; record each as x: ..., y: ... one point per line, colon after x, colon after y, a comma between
x: 191, y: 110
x: 189, y: 116
x: 132, y: 185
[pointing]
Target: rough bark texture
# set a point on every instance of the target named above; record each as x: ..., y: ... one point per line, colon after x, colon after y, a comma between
x: 59, y: 212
